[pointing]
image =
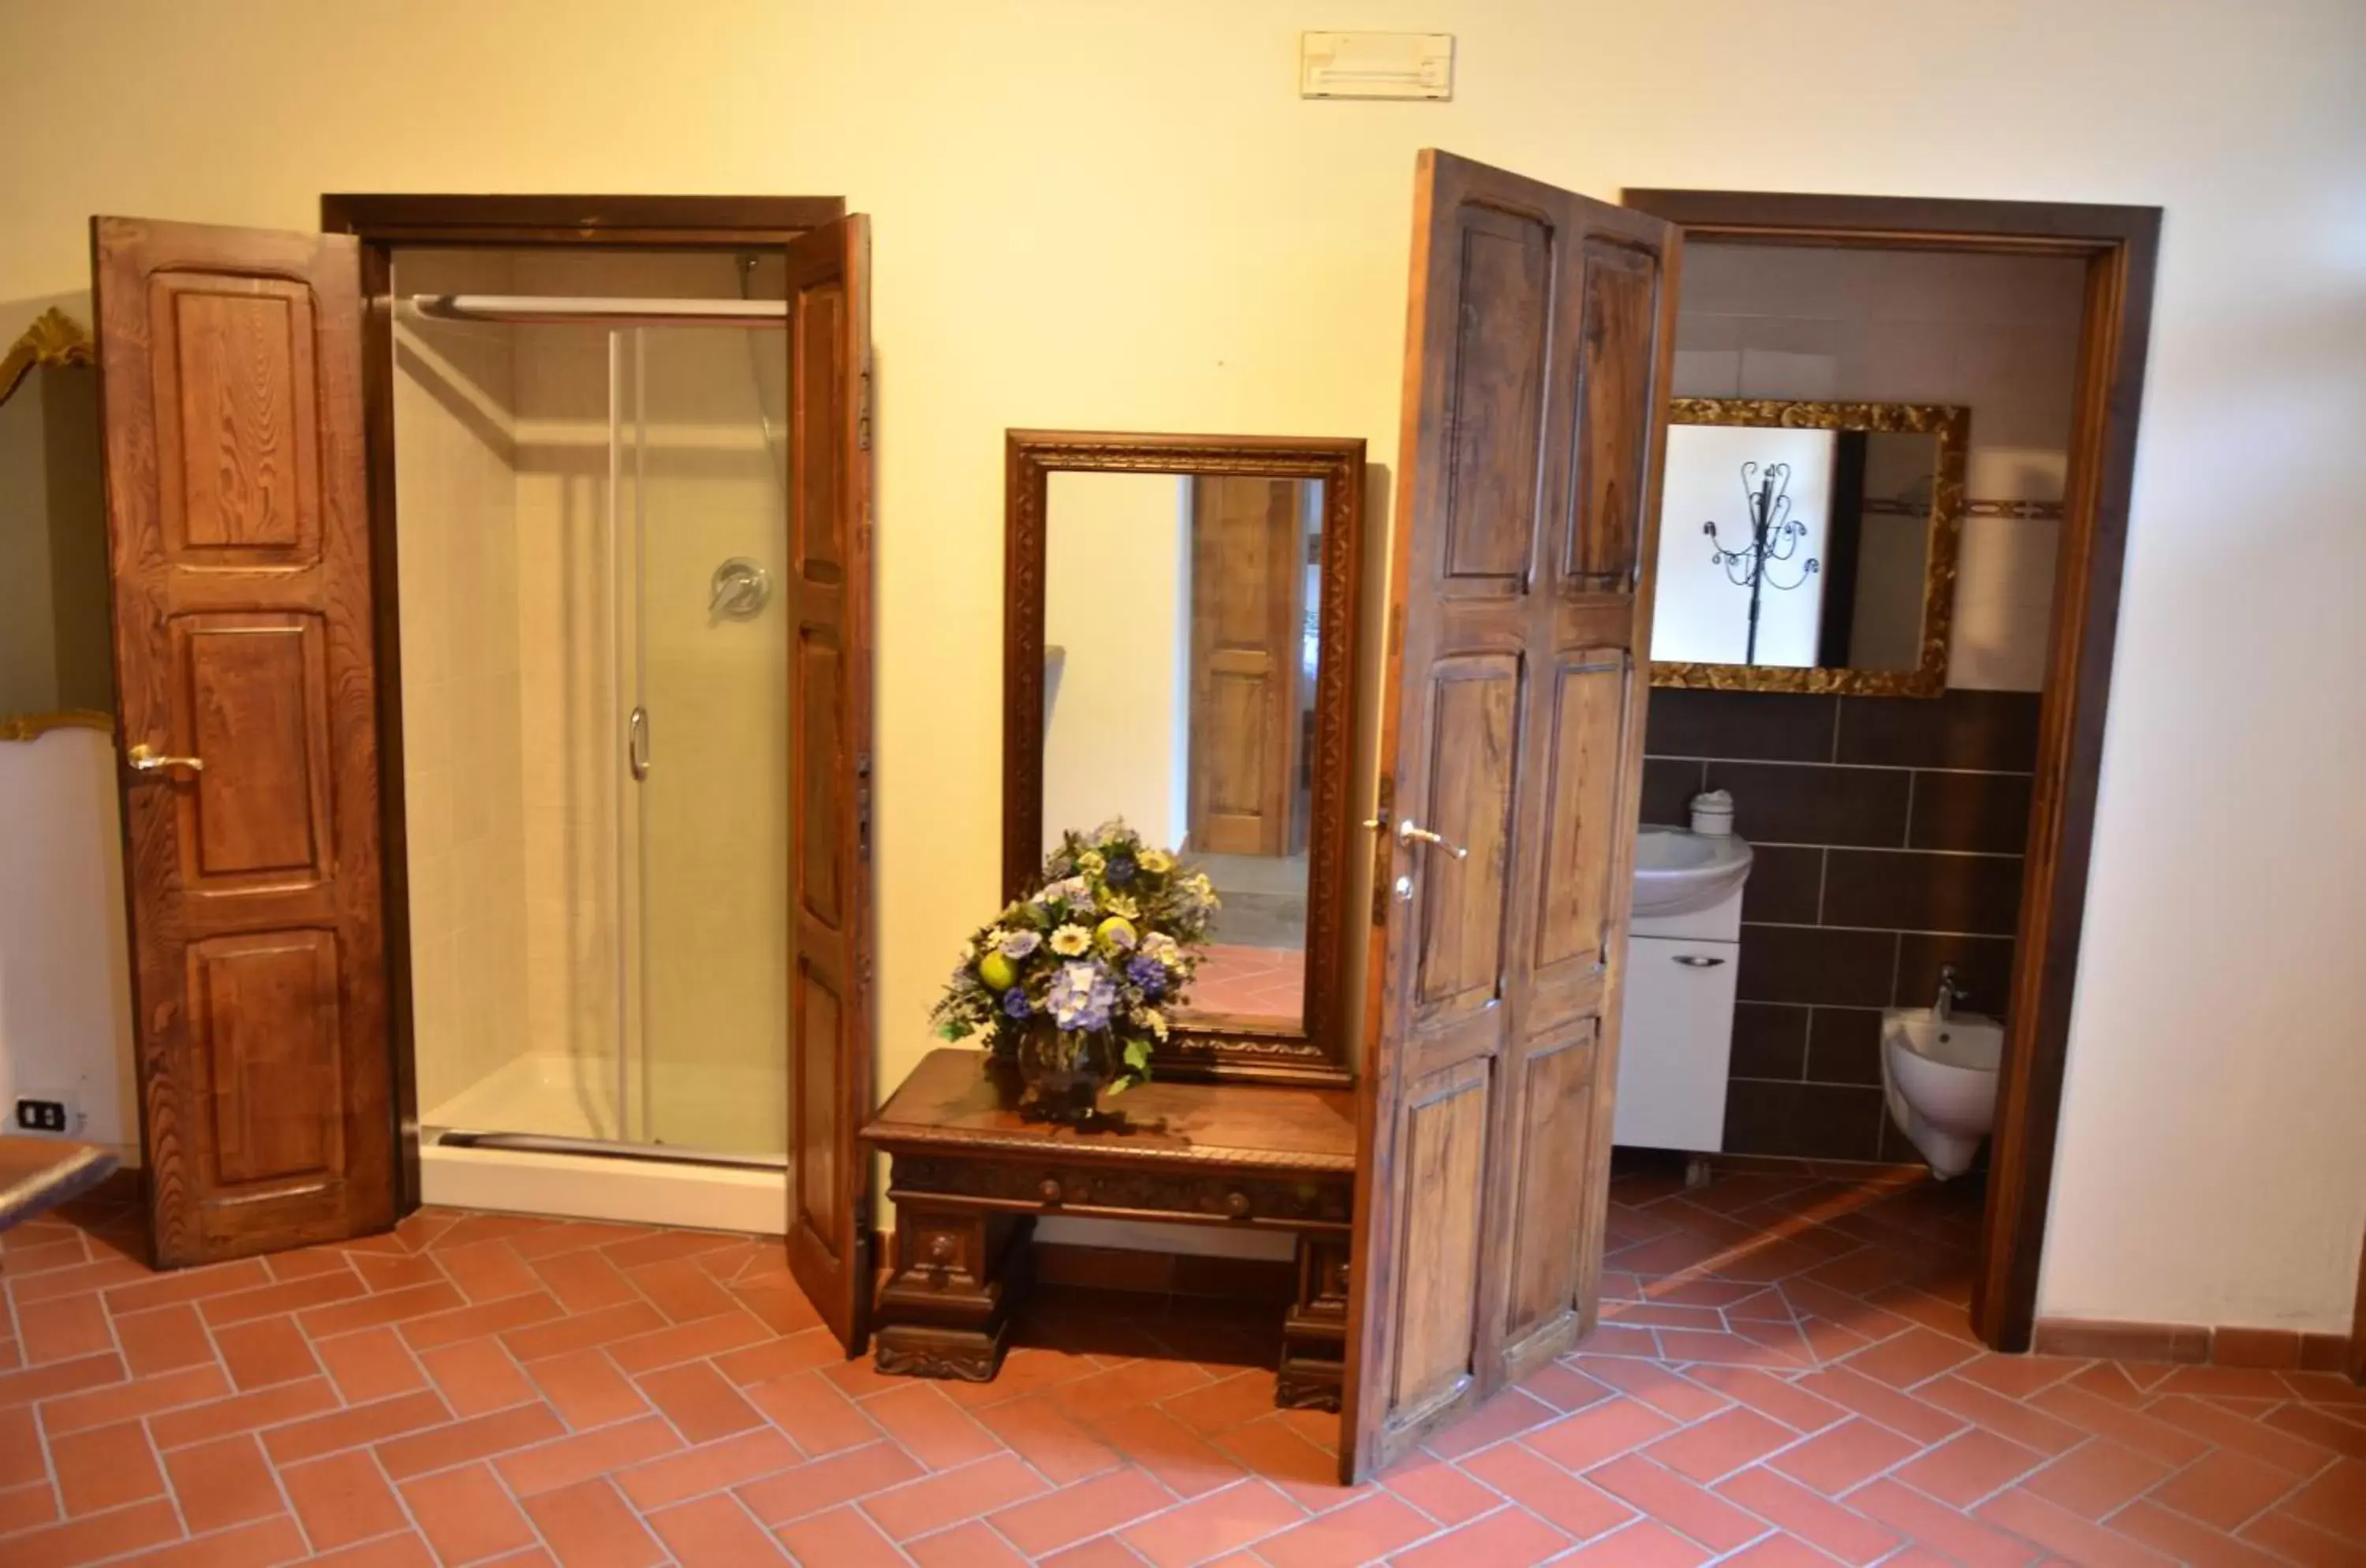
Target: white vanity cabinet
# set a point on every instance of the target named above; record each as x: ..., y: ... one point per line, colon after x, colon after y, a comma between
x: 1677, y: 1032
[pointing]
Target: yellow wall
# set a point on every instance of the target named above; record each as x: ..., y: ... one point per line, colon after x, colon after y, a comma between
x: 1119, y: 217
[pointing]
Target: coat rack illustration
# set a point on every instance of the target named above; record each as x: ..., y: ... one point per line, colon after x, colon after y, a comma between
x: 1775, y: 539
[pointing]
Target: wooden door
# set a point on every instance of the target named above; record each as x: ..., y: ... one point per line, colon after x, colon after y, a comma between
x: 829, y: 771
x: 1527, y: 488
x: 229, y: 367
x: 1248, y: 569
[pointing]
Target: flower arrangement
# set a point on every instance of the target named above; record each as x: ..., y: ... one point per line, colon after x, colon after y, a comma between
x: 1076, y: 981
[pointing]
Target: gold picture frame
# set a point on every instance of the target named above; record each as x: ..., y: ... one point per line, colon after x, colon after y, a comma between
x: 1951, y: 424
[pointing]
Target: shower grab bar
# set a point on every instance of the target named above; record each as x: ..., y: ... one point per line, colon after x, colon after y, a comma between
x: 555, y: 307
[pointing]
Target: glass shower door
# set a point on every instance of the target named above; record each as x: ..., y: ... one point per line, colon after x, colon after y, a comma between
x: 707, y: 738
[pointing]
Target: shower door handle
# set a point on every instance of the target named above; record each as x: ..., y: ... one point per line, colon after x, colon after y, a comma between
x: 637, y: 743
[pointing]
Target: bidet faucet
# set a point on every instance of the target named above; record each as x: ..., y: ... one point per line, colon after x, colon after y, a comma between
x: 1950, y: 994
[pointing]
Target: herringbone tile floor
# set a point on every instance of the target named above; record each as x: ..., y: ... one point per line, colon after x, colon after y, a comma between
x: 1784, y: 1377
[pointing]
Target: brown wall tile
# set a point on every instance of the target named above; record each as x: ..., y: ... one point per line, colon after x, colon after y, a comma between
x: 1769, y: 1041
x: 1970, y: 811
x: 1983, y: 967
x: 1957, y: 729
x: 1806, y: 1120
x: 1785, y: 886
x: 1785, y: 803
x: 1764, y: 726
x: 1906, y: 890
x: 1845, y: 1047
x: 1806, y: 964
x: 1669, y: 786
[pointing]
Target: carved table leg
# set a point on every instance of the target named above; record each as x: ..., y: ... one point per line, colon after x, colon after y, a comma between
x: 959, y: 1277
x: 1314, y: 1331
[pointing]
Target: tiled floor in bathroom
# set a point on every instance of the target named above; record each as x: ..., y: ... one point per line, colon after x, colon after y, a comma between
x: 1786, y: 1379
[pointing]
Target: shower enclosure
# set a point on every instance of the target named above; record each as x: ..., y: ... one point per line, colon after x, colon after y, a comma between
x: 591, y: 519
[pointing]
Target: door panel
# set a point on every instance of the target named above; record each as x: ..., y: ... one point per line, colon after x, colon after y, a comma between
x: 1553, y: 1092
x: 1445, y: 1137
x: 1470, y: 801
x: 230, y: 386
x: 1618, y: 300
x: 1512, y: 725
x: 1247, y: 583
x: 249, y: 691
x: 830, y: 851
x: 1501, y: 290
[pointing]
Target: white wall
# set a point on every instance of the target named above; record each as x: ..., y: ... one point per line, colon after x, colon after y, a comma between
x: 1117, y: 595
x: 1121, y: 218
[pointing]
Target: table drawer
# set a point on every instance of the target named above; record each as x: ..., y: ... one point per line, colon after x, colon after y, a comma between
x: 1051, y: 1187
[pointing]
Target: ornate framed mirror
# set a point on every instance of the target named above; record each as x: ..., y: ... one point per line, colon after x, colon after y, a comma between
x: 1809, y: 546
x: 1178, y: 649
x: 56, y: 656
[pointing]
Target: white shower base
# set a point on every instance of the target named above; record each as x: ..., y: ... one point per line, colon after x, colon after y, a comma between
x: 551, y: 1093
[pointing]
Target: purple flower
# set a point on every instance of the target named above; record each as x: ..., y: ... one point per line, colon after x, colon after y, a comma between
x: 1014, y: 1002
x: 1019, y: 945
x: 1082, y: 997
x: 1119, y: 871
x: 1148, y: 974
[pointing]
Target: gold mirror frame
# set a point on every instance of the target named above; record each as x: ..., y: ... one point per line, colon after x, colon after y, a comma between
x: 1951, y: 424
x: 54, y: 341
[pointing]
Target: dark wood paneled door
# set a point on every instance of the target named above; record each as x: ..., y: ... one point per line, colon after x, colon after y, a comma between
x: 829, y: 771
x: 230, y: 370
x: 1248, y: 572
x: 1511, y: 754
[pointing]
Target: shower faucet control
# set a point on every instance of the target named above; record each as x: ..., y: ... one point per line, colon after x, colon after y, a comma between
x: 739, y: 591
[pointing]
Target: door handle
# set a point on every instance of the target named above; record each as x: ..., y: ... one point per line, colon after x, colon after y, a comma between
x: 1409, y: 833
x: 1697, y: 961
x: 637, y: 743
x: 147, y: 760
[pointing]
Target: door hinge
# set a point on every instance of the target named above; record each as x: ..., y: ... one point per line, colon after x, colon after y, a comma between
x: 1396, y: 629
x: 863, y: 804
x: 862, y: 414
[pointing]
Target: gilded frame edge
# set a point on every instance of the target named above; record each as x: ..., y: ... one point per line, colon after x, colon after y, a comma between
x: 1316, y: 1053
x: 1951, y: 424
x: 56, y: 341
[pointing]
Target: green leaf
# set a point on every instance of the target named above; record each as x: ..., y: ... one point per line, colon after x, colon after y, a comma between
x: 1116, y: 1087
x: 1137, y: 1054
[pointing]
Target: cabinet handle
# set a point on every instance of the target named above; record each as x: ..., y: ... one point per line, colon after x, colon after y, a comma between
x: 1697, y: 961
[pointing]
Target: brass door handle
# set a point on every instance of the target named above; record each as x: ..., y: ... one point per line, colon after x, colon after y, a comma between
x: 146, y: 759
x: 1408, y: 834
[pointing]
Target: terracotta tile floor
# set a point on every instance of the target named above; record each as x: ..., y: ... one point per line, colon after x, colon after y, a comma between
x: 1257, y: 982
x: 1786, y: 1378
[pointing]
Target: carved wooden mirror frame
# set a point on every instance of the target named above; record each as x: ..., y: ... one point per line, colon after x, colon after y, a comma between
x: 1951, y: 424
x: 1315, y: 1051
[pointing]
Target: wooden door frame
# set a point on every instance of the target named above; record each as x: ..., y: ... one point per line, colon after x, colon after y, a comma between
x: 2120, y: 248
x: 382, y: 223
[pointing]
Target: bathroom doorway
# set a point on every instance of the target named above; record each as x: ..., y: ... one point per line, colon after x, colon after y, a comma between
x: 2105, y: 255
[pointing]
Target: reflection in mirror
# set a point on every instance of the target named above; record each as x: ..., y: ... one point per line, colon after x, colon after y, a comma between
x: 1807, y: 547
x: 1181, y: 619
x: 54, y: 640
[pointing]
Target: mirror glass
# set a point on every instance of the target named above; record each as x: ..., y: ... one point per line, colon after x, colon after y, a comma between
x: 1180, y: 633
x: 54, y: 640
x: 1803, y: 538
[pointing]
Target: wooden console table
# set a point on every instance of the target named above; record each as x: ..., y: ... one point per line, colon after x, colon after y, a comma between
x: 970, y: 1174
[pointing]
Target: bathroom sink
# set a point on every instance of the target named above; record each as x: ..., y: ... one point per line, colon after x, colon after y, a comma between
x: 1967, y: 1040
x: 1678, y: 873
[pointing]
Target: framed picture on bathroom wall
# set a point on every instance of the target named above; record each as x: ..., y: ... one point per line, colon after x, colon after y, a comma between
x: 1809, y: 546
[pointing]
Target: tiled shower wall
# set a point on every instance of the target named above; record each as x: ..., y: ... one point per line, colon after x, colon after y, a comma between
x: 1888, y: 833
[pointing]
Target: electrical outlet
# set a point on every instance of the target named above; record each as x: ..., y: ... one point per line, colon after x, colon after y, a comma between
x: 42, y: 1118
